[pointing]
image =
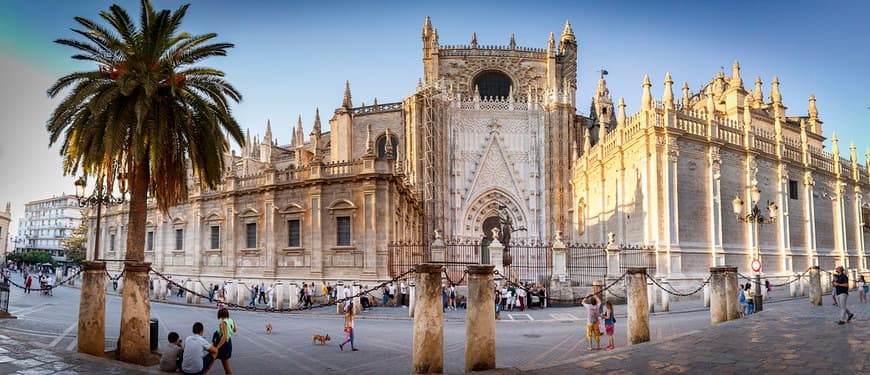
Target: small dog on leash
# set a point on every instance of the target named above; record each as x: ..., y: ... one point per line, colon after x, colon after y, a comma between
x: 322, y: 339
x: 268, y: 327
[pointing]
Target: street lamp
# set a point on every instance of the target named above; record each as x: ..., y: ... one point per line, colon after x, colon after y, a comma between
x: 755, y: 217
x: 100, y: 197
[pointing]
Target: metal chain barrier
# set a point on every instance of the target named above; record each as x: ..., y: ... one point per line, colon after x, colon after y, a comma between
x: 447, y: 275
x: 560, y: 300
x: 44, y: 288
x: 752, y: 279
x: 255, y: 308
x: 116, y: 278
x: 674, y: 292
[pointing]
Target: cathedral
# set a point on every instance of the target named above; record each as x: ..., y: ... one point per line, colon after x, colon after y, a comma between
x: 492, y: 135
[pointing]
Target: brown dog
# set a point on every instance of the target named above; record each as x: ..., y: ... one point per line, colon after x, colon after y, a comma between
x: 268, y: 327
x: 323, y: 339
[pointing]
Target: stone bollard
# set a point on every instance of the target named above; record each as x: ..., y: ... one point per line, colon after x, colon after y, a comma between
x: 121, y: 285
x: 231, y: 291
x: 135, y: 314
x: 339, y: 307
x: 651, y: 295
x: 241, y: 292
x: 200, y: 289
x: 638, y: 311
x: 412, y: 295
x: 815, y: 286
x: 357, y: 305
x: 480, y: 322
x: 793, y: 286
x: 803, y: 285
x: 279, y: 296
x: 58, y: 276
x: 666, y: 297
x: 92, y: 310
x: 732, y: 290
x: 707, y: 294
x: 764, y: 292
x: 189, y: 286
x: 428, y: 347
x: 718, y: 295
x: 293, y: 296
x: 853, y: 278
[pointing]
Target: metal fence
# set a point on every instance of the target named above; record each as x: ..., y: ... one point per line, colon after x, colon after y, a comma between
x: 530, y: 263
x: 405, y: 255
x: 586, y: 263
x: 459, y: 254
x: 637, y: 256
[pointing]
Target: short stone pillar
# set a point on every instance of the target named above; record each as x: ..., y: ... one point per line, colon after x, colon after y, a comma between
x: 496, y: 256
x: 815, y: 286
x: 412, y: 295
x: 560, y: 284
x: 279, y: 296
x: 666, y: 297
x: 121, y: 285
x: 92, y: 310
x: 732, y: 289
x: 58, y: 276
x: 718, y: 295
x: 427, y: 356
x: 638, y: 311
x: 853, y: 278
x: 357, y: 306
x: 241, y: 293
x: 230, y: 291
x: 339, y: 307
x: 793, y: 286
x: 707, y: 294
x: 135, y: 315
x: 189, y: 286
x: 764, y: 292
x: 293, y: 298
x: 480, y: 322
x: 826, y: 281
x: 438, y: 251
x: 200, y: 290
x: 651, y: 295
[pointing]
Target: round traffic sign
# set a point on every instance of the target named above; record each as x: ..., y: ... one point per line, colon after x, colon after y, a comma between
x: 756, y: 265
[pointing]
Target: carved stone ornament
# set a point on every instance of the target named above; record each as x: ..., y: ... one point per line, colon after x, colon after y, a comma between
x: 692, y: 165
x: 808, y: 179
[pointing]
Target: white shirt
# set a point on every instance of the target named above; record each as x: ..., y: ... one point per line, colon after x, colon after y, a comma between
x: 392, y: 289
x: 195, y: 349
x: 403, y: 288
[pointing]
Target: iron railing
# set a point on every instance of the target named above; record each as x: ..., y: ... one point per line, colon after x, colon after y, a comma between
x: 586, y: 263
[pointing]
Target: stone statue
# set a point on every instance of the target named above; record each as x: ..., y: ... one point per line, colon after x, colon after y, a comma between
x: 438, y: 234
x: 611, y: 238
x: 495, y: 232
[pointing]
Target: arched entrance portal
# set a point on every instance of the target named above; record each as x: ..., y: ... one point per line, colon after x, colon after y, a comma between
x: 488, y: 225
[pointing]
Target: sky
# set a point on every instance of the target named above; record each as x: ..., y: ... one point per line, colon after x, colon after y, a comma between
x: 291, y: 57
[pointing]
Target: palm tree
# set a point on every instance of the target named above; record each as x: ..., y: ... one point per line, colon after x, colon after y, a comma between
x: 146, y: 111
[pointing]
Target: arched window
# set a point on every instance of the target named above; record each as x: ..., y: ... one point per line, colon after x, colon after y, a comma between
x: 493, y: 84
x: 382, y: 147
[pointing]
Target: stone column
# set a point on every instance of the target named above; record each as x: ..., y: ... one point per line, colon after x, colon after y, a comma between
x: 638, y: 311
x: 560, y: 285
x: 339, y: 307
x: 135, y: 315
x: 764, y: 291
x: 241, y: 289
x: 793, y: 286
x: 718, y: 295
x: 612, y: 253
x: 293, y: 300
x: 428, y: 347
x: 496, y: 256
x: 189, y: 286
x: 666, y: 297
x: 438, y: 250
x: 279, y: 296
x: 803, y: 284
x: 412, y: 295
x: 707, y: 295
x: 92, y: 310
x: 480, y: 322
x: 200, y: 289
x: 231, y: 291
x: 651, y: 295
x: 357, y: 305
x: 815, y: 287
x: 732, y: 287
x: 853, y: 278
x: 58, y: 276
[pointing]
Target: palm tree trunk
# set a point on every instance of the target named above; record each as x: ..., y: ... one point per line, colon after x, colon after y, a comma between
x: 133, y: 346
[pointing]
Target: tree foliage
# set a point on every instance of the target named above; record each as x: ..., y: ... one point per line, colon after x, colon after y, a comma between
x: 75, y: 247
x: 32, y: 257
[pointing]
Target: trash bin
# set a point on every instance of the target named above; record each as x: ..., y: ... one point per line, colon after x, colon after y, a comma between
x: 154, y: 323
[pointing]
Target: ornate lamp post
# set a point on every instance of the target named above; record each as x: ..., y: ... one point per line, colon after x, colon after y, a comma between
x: 754, y: 216
x: 100, y: 197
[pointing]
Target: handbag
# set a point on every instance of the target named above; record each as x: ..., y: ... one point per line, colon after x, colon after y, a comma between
x: 216, y: 338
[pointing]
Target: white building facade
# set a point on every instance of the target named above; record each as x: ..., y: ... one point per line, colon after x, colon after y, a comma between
x: 671, y: 175
x: 46, y: 223
x: 5, y: 220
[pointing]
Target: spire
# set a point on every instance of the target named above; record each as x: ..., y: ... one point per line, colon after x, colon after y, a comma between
x: 852, y: 152
x: 388, y: 146
x: 551, y: 43
x: 427, y: 27
x: 736, y: 81
x: 293, y: 138
x: 757, y: 95
x: 419, y: 84
x: 775, y: 95
x: 8, y: 207
x: 567, y: 32
x: 587, y: 140
x: 711, y: 102
x: 316, y: 130
x: 267, y: 139
x: 476, y: 93
x: 668, y: 97
x: 602, y: 132
x: 812, y: 110
x: 620, y: 119
x: 375, y: 103
x: 474, y: 40
x: 513, y: 41
x: 346, y: 102
x: 686, y: 99
x: 247, y: 148
x: 646, y: 100
x: 300, y: 136
x: 835, y: 149
x: 369, y: 146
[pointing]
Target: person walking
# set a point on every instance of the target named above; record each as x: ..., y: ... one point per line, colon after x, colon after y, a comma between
x: 254, y: 293
x: 862, y: 289
x: 348, y: 328
x: 750, y: 298
x: 271, y: 294
x: 841, y: 288
x: 262, y: 292
x: 27, y: 284
x: 226, y: 329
